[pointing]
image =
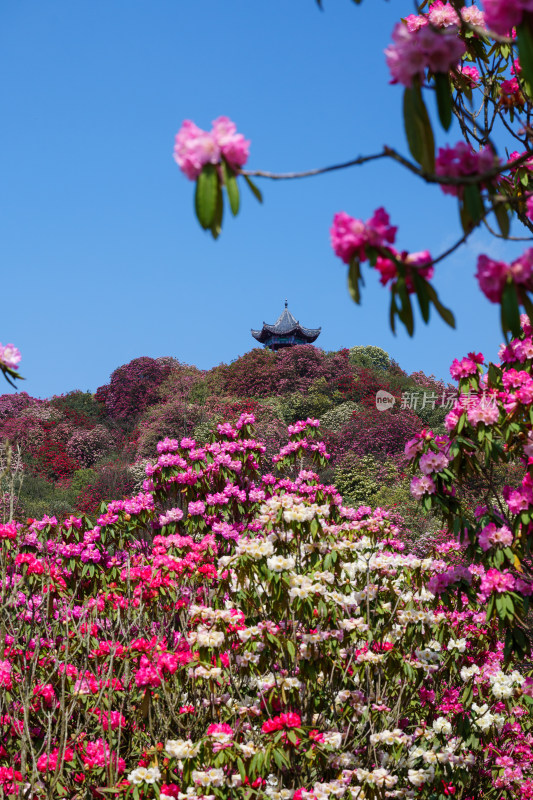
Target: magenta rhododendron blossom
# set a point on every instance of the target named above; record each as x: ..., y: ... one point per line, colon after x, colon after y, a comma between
x: 495, y: 581
x: 350, y: 237
x: 194, y: 147
x: 470, y: 72
x: 493, y: 275
x: 463, y: 368
x: 414, y: 51
x: 461, y: 161
x: 502, y: 15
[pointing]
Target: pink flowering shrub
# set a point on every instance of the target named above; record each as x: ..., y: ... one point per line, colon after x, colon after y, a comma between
x: 490, y: 423
x: 233, y: 628
x: 87, y: 446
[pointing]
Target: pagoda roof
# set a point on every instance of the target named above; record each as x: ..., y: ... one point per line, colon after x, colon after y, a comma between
x: 286, y: 325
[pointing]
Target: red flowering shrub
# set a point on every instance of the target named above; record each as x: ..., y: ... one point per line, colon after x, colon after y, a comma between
x: 375, y: 432
x: 262, y: 373
x: 133, y: 387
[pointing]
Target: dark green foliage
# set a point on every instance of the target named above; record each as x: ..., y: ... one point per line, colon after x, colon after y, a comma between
x: 81, y: 405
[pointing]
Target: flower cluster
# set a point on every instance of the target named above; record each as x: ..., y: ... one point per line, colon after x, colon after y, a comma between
x: 502, y: 15
x: 462, y: 161
x: 416, y: 49
x: 194, y: 147
x: 493, y: 275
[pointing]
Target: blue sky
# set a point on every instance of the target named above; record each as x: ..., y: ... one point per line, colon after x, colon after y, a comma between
x: 102, y: 257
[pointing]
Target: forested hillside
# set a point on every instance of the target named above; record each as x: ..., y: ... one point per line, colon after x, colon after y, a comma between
x: 71, y: 452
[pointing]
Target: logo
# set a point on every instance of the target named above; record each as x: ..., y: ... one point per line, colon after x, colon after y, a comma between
x: 384, y: 400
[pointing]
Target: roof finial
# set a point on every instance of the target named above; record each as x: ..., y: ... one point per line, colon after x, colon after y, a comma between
x: 286, y: 304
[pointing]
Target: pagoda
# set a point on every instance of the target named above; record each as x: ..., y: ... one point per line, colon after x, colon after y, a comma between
x: 286, y: 332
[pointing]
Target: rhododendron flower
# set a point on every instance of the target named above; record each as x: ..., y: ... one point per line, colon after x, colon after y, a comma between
x: 233, y: 146
x: 470, y: 72
x: 415, y: 21
x: 415, y: 50
x: 422, y: 486
x: 502, y: 15
x: 433, y: 462
x: 462, y: 161
x: 485, y: 411
x: 349, y: 236
x: 290, y: 720
x: 9, y: 356
x: 194, y: 147
x: 419, y: 262
x: 495, y: 581
x: 442, y: 15
x: 463, y: 368
x: 473, y: 15
x: 491, y: 535
x: 197, y: 507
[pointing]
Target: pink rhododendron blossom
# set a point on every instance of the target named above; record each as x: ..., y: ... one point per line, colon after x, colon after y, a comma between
x: 194, y: 147
x: 433, y: 462
x: 413, y: 51
x: 197, y: 507
x: 442, y: 15
x: 491, y: 535
x: 492, y: 275
x: 502, y: 15
x: 422, y: 486
x: 420, y: 262
x: 349, y: 236
x: 463, y: 368
x: 440, y: 582
x: 233, y: 146
x: 416, y: 21
x: 461, y: 161
x: 9, y: 356
x: 470, y: 72
x: 473, y: 15
x: 495, y: 581
x: 483, y: 410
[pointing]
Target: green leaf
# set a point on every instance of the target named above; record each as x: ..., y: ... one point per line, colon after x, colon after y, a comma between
x: 206, y: 196
x: 406, y: 311
x: 216, y: 225
x: 525, y: 51
x: 418, y: 128
x: 232, y: 188
x: 444, y: 99
x: 510, y: 309
x: 392, y: 313
x: 473, y: 202
x: 443, y: 312
x: 255, y: 191
x: 502, y: 218
x: 354, y: 277
x: 422, y: 295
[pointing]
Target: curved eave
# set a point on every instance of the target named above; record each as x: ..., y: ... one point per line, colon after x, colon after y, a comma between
x: 311, y: 334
